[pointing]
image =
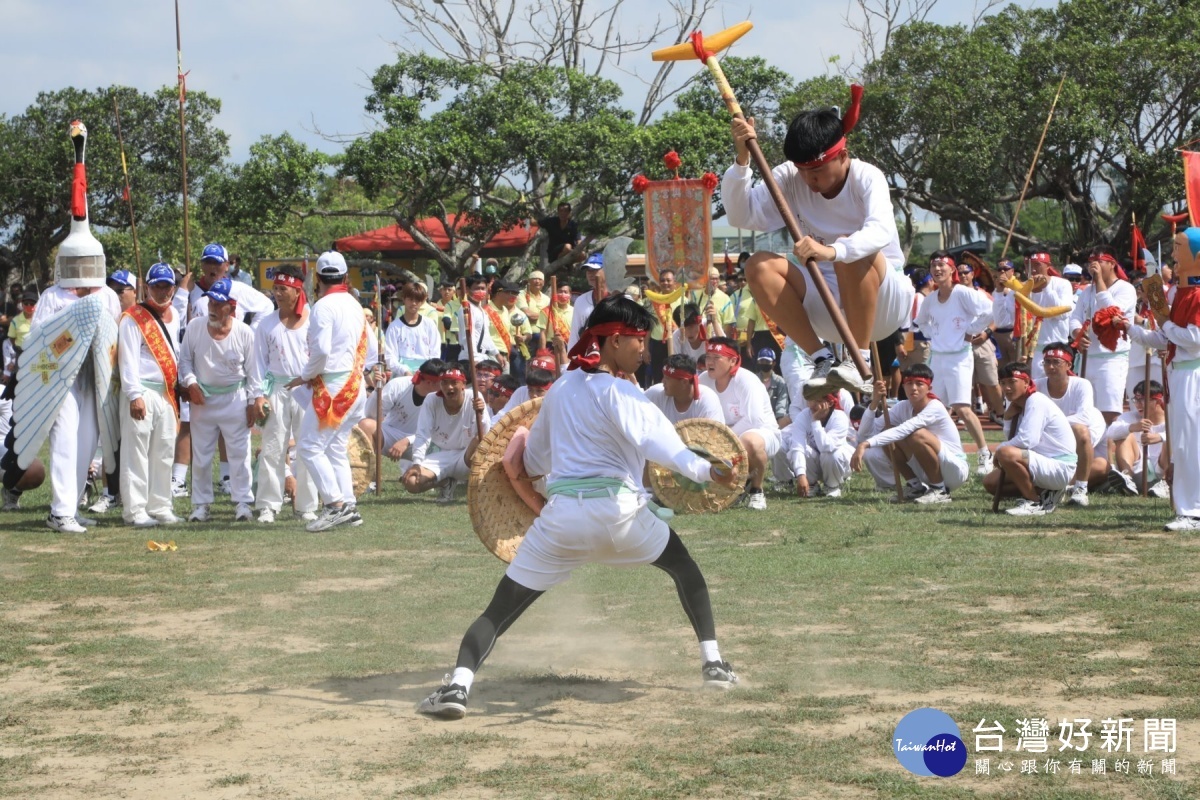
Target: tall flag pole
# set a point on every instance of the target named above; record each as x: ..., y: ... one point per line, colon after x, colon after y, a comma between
x: 187, y: 256
x: 137, y: 253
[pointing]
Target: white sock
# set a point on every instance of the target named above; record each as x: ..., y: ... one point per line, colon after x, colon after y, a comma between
x: 1081, y: 485
x: 824, y: 352
x: 463, y: 677
x: 179, y: 472
x: 866, y: 354
x: 224, y: 470
x: 709, y: 651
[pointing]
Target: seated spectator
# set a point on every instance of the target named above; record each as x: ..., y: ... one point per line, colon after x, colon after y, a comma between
x: 1141, y: 425
x: 499, y: 393
x: 1073, y: 396
x: 818, y: 450
x: 403, y: 398
x: 680, y: 395
x: 446, y: 437
x: 777, y: 388
x: 537, y: 383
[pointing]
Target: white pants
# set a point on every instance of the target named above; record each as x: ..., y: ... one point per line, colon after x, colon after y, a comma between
x: 280, y: 428
x: 955, y: 470
x: 832, y: 469
x: 221, y: 415
x: 796, y: 368
x: 892, y: 308
x: 447, y: 464
x: 1185, y: 433
x: 1050, y: 473
x: 323, y: 451
x: 953, y: 374
x: 74, y: 435
x: 5, y: 419
x: 147, y: 451
x: 1107, y: 374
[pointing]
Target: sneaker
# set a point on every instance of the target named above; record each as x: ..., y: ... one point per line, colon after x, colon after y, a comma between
x: 934, y: 497
x: 1182, y: 523
x: 266, y: 516
x: 448, y: 702
x: 64, y: 524
x: 244, y: 513
x: 984, y: 462
x: 86, y: 522
x: 167, y: 518
x: 199, y: 514
x: 834, y: 491
x: 307, y: 516
x: 845, y: 376
x: 446, y: 492
x: 224, y: 486
x: 143, y: 520
x: 821, y: 368
x: 756, y: 501
x: 1027, y: 508
x: 353, y: 518
x: 1078, y: 496
x: 12, y: 500
x: 330, y: 517
x: 1160, y: 490
x: 1123, y: 482
x: 914, y: 489
x: 179, y: 488
x: 718, y: 675
x: 371, y: 487
x: 105, y: 503
x: 1052, y: 499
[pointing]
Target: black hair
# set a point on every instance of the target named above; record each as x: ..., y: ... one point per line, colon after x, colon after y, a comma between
x: 690, y: 312
x: 811, y: 133
x: 331, y: 280
x: 682, y: 361
x: 743, y: 257
x: 563, y: 203
x: 290, y: 270
x: 490, y: 363
x: 619, y: 308
x: 917, y: 371
x: 662, y: 272
x: 725, y: 340
x: 919, y: 277
x: 433, y: 366
x: 475, y: 279
x: 1155, y: 388
x: 1012, y: 367
x: 940, y: 254
x: 536, y: 376
x: 506, y: 381
x: 1056, y: 346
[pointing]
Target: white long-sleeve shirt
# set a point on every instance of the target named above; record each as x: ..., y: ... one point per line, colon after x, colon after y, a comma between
x: 593, y: 425
x: 134, y: 360
x: 581, y: 309
x: 439, y: 428
x: 857, y: 224
x: 209, y: 362
x: 1044, y: 429
x: 1119, y: 429
x: 745, y: 402
x: 481, y: 334
x: 948, y: 324
x: 1058, y: 292
x: 934, y: 417
x: 279, y: 350
x: 706, y: 406
x: 1122, y: 295
x: 697, y: 353
x: 405, y: 345
x: 249, y: 301
x: 824, y: 437
x: 335, y: 325
x: 401, y: 408
x: 1004, y: 309
x: 1185, y: 338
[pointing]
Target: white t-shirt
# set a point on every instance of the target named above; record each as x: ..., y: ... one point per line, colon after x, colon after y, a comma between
x: 934, y: 417
x: 205, y: 360
x: 582, y: 309
x: 947, y: 324
x: 824, y: 438
x: 1119, y: 429
x: 745, y: 402
x: 707, y: 406
x: 1122, y: 295
x: 1076, y: 400
x: 1058, y: 292
x: 1004, y: 308
x: 401, y: 408
x: 697, y: 353
x: 438, y: 427
x: 408, y: 346
x: 279, y: 350
x: 1043, y: 428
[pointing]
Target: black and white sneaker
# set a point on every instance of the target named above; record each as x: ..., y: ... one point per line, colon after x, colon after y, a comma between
x: 448, y: 702
x: 329, y: 518
x: 718, y: 675
x: 821, y: 367
x: 353, y: 518
x: 1052, y: 498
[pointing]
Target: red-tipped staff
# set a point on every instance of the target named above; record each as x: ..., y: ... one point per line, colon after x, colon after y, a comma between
x: 706, y: 50
x: 137, y: 253
x: 470, y: 332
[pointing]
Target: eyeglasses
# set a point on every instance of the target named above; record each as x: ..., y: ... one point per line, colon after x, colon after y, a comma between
x: 965, y: 271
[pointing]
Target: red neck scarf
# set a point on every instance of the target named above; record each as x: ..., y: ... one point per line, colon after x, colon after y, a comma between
x: 586, y: 352
x: 684, y: 375
x: 336, y: 288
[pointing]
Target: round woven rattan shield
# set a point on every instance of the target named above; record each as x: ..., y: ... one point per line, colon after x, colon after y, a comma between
x: 362, y: 460
x: 498, y: 514
x: 720, y: 441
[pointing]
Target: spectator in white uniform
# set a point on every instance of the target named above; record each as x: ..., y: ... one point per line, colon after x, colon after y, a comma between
x: 1050, y: 290
x: 1073, y: 396
x: 1107, y: 367
x: 412, y: 338
x: 446, y: 437
x: 681, y: 396
x: 817, y: 444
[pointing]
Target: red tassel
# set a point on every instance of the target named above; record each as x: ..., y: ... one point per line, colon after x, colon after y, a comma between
x: 851, y: 117
x: 79, y: 193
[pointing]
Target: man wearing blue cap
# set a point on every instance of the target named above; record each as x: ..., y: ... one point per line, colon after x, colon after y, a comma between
x: 146, y: 338
x: 252, y: 305
x: 124, y: 283
x: 214, y: 360
x: 594, y: 269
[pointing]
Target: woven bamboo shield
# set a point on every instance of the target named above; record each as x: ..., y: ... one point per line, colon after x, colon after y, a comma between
x: 498, y: 514
x: 720, y: 441
x: 362, y: 460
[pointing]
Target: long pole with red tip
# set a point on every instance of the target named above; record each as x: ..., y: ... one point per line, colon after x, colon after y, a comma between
x: 187, y: 263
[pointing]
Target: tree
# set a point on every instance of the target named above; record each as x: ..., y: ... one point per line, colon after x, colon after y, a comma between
x: 36, y: 158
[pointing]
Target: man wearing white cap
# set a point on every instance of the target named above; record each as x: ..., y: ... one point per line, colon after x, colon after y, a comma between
x: 339, y: 347
x: 146, y: 338
x: 280, y: 353
x: 214, y: 362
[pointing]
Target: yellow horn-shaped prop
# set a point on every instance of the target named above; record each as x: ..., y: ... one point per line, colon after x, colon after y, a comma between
x: 714, y: 43
x: 1039, y: 311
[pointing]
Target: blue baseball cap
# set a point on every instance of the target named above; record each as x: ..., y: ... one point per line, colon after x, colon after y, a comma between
x: 124, y: 278
x: 595, y: 261
x: 221, y: 291
x: 214, y: 252
x: 766, y: 354
x: 161, y: 273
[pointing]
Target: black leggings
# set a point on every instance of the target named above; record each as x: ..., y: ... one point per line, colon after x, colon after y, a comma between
x: 511, y: 599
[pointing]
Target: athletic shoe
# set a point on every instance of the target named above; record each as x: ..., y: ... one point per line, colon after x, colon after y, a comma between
x: 86, y: 522
x: 225, y: 486
x: 1182, y: 523
x: 757, y: 501
x: 1078, y: 496
x: 12, y: 500
x: 448, y: 702
x: 1052, y: 499
x: 914, y: 489
x: 330, y: 517
x: 266, y: 516
x: 199, y: 514
x: 934, y: 497
x: 371, y: 487
x: 821, y: 368
x: 1027, y: 508
x: 353, y: 518
x: 1160, y: 490
x: 105, y: 503
x: 244, y: 513
x: 179, y: 488
x: 64, y: 525
x: 168, y: 518
x: 718, y: 675
x: 836, y: 491
x: 845, y: 376
x: 307, y: 516
x: 143, y: 520
x: 1122, y: 482
x: 984, y: 463
x: 446, y: 492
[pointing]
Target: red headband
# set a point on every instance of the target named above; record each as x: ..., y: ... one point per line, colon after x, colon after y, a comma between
x: 292, y: 283
x: 1155, y: 396
x: 1032, y: 387
x: 453, y: 375
x: 586, y: 352
x: 834, y: 401
x: 684, y: 375
x: 503, y: 391
x: 1112, y: 260
x: 1065, y: 355
x: 848, y: 123
x: 719, y: 349
x: 916, y: 379
x: 425, y: 377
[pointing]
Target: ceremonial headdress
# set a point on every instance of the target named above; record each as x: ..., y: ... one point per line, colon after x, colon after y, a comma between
x: 79, y: 262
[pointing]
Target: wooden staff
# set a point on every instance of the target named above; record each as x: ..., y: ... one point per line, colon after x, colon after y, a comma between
x: 470, y: 331
x: 1032, y: 167
x: 187, y: 263
x: 382, y: 367
x: 1167, y: 428
x: 1146, y: 416
x: 877, y: 368
x: 551, y: 330
x: 137, y: 253
x: 706, y: 50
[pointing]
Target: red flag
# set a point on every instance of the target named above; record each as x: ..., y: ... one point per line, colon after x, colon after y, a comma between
x: 1191, y: 180
x: 1137, y: 246
x: 728, y: 265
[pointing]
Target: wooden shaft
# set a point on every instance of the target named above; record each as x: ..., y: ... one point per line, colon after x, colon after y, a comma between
x: 815, y: 277
x: 1032, y: 166
x: 877, y: 368
x: 137, y: 253
x: 1146, y: 415
x: 1167, y: 427
x: 551, y: 331
x: 470, y: 331
x: 379, y: 389
x: 187, y: 264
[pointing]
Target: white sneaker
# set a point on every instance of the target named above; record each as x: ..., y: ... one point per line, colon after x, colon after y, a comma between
x: 266, y: 516
x: 914, y: 489
x: 1160, y: 490
x: 199, y: 514
x: 86, y: 522
x: 225, y: 486
x: 845, y: 376
x: 12, y: 500
x: 64, y: 525
x: 1079, y: 496
x: 446, y: 492
x: 1027, y: 508
x: 371, y: 487
x: 835, y: 491
x: 1182, y: 523
x: 168, y: 518
x: 1052, y: 499
x: 179, y: 488
x: 307, y: 516
x: 329, y: 518
x: 984, y: 463
x: 143, y: 520
x: 105, y: 503
x: 757, y: 501
x: 244, y: 513
x: 934, y: 497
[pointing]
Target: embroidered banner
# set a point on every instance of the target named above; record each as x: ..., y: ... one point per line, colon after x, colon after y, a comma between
x: 679, y: 230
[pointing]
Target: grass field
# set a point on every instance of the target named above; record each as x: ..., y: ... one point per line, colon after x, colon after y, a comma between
x: 268, y: 662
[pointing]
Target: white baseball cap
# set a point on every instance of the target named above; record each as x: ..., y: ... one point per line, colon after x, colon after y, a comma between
x: 331, y: 264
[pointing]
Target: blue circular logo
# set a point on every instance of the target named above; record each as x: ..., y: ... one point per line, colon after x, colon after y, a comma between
x: 927, y: 742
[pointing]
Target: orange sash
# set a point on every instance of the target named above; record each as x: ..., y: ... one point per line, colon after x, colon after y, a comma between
x: 561, y: 329
x: 331, y: 412
x: 157, y: 344
x: 498, y: 324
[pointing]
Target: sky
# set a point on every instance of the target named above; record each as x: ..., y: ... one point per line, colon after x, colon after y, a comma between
x: 304, y: 66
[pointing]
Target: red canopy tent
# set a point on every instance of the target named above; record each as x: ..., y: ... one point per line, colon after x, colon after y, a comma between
x: 393, y: 242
